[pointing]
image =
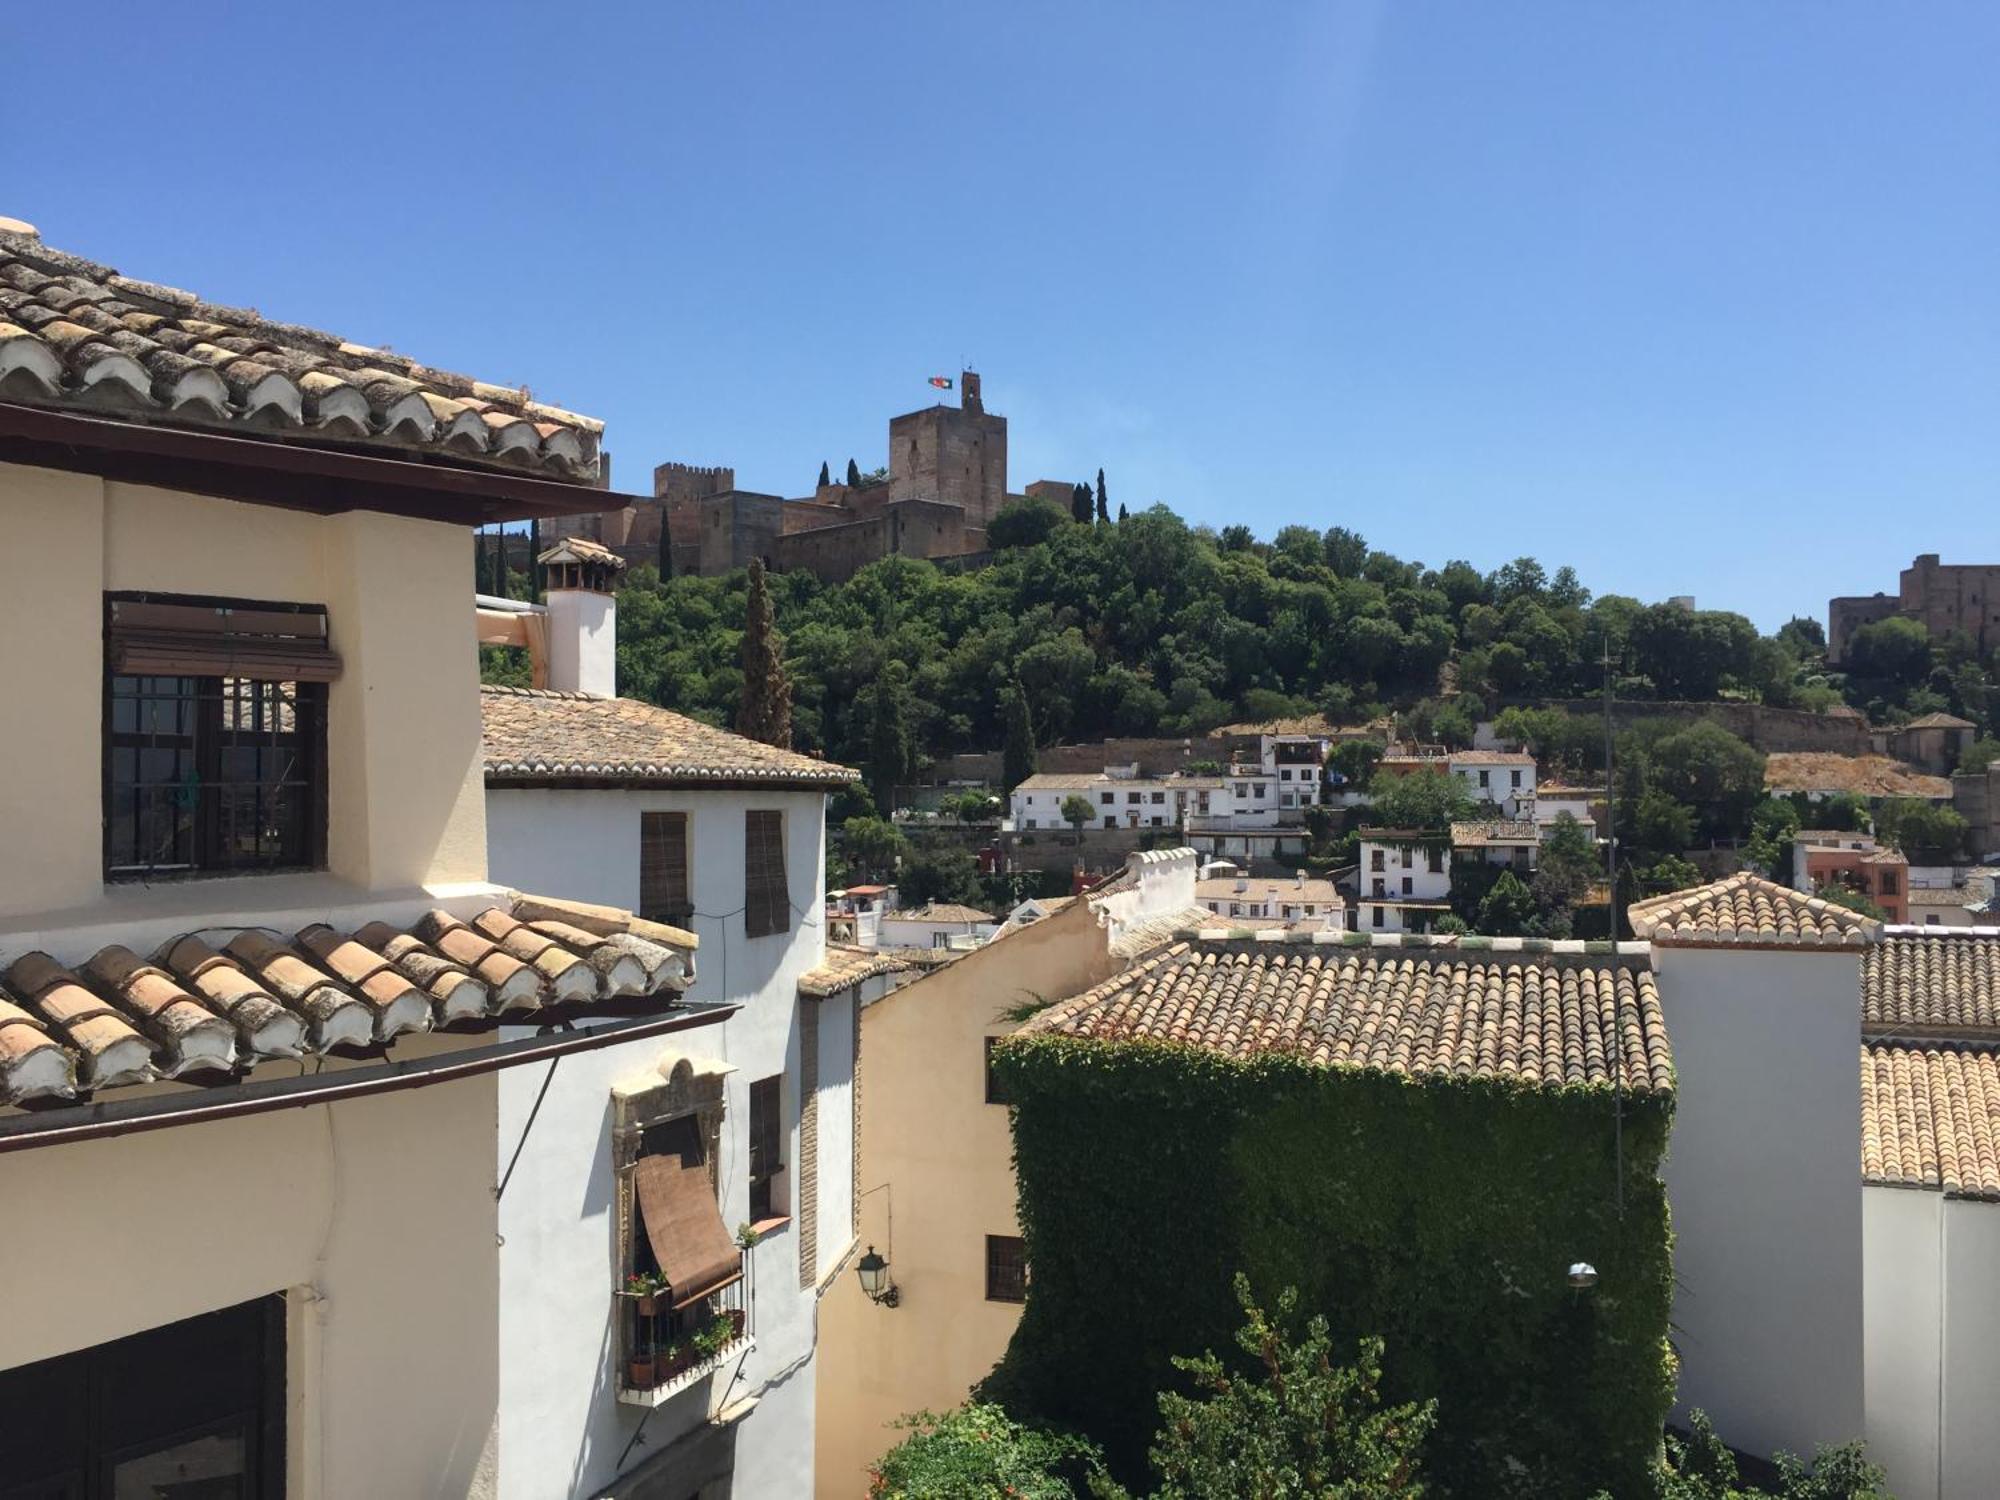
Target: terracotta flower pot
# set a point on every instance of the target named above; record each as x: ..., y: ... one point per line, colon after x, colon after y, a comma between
x: 641, y: 1372
x: 649, y: 1303
x: 735, y: 1316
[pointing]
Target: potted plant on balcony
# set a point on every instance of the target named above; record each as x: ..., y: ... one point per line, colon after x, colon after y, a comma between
x: 677, y: 1358
x: 644, y: 1288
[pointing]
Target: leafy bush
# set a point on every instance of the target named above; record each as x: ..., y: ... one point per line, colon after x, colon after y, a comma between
x: 1701, y: 1467
x: 977, y: 1450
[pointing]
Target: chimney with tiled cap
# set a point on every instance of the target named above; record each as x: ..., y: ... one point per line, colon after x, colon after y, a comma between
x: 579, y: 578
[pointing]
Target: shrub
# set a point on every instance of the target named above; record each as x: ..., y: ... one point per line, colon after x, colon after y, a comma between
x: 978, y: 1450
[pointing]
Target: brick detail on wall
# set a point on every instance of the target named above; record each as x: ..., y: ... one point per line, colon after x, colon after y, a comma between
x: 808, y: 1144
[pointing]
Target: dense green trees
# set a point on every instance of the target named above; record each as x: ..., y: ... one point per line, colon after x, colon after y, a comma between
x: 1429, y: 801
x: 1018, y: 755
x: 1151, y: 626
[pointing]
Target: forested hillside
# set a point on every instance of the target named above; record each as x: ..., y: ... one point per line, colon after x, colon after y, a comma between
x: 1149, y: 626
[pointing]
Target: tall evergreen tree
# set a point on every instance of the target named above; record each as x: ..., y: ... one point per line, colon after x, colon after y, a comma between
x: 765, y: 710
x: 853, y: 475
x: 499, y: 564
x: 892, y: 744
x: 1018, y: 762
x: 1103, y: 510
x: 1121, y: 512
x: 1079, y: 501
x: 534, y: 552
x: 825, y: 475
x: 666, y: 548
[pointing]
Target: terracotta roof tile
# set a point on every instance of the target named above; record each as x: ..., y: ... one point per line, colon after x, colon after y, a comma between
x: 846, y: 965
x: 1747, y: 909
x: 192, y: 1008
x: 536, y: 735
x: 1940, y: 721
x: 1482, y: 835
x: 1930, y: 1118
x: 77, y: 334
x: 940, y: 911
x: 1551, y: 1019
x: 1948, y: 980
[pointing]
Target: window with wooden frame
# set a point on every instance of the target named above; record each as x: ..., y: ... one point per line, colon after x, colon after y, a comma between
x: 664, y: 894
x: 214, y: 736
x: 767, y: 902
x: 767, y: 1150
x: 1006, y: 1268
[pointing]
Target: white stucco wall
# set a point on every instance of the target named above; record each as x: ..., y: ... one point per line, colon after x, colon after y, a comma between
x: 402, y: 718
x: 1764, y: 1185
x: 375, y: 1217
x: 1902, y: 1230
x: 562, y: 1430
x: 1933, y: 1283
x: 836, y: 1131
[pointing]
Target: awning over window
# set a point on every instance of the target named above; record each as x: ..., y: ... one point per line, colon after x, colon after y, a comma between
x: 151, y: 639
x: 683, y: 1222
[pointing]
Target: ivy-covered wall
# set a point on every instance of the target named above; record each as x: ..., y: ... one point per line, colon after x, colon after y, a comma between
x: 1442, y: 1215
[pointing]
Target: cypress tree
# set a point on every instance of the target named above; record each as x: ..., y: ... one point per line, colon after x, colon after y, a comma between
x: 1079, y: 502
x: 825, y: 475
x: 1103, y: 511
x: 1018, y: 760
x: 666, y: 547
x: 892, y: 749
x: 853, y: 475
x: 534, y: 553
x: 765, y: 710
x: 1121, y: 512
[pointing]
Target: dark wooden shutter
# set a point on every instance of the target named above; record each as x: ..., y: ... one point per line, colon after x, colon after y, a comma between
x: 663, y: 868
x: 152, y: 638
x: 767, y: 906
x: 767, y: 1147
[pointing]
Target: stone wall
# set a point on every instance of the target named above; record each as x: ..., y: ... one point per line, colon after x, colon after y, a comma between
x: 1975, y: 797
x: 1940, y: 596
x: 1769, y: 729
x: 737, y: 526
x: 953, y: 455
x: 1100, y: 849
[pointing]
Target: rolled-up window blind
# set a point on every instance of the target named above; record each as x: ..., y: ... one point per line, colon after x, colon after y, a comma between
x: 152, y: 638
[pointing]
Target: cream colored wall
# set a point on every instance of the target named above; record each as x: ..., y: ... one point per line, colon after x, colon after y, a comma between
x: 939, y: 1160
x: 403, y: 719
x: 385, y: 1250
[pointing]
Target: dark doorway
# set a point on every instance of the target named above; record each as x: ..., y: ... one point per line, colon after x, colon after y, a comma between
x: 191, y: 1411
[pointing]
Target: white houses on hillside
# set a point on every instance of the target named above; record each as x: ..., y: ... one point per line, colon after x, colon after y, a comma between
x: 607, y: 800
x: 1405, y: 880
x: 1292, y: 899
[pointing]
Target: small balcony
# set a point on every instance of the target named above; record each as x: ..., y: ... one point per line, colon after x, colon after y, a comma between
x: 665, y: 1350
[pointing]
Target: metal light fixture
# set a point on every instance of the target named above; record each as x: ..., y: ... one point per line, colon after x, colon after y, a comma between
x: 1582, y: 1276
x: 875, y: 1282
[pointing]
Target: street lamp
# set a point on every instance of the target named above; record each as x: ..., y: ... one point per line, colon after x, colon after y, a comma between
x: 1582, y: 1276
x: 875, y: 1282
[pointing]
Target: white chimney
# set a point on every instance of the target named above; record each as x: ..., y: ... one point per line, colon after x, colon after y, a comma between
x: 579, y: 577
x: 1300, y: 883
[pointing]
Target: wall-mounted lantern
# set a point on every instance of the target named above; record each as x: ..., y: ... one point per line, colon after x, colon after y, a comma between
x: 1582, y: 1276
x: 875, y: 1282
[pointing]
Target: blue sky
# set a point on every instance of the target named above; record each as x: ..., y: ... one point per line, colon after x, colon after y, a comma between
x: 1700, y: 299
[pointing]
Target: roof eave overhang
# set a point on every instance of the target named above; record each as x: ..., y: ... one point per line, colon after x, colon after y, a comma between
x: 521, y: 781
x: 294, y: 475
x: 69, y: 1123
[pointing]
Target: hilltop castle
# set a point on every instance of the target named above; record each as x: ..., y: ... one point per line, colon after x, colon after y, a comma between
x: 946, y: 480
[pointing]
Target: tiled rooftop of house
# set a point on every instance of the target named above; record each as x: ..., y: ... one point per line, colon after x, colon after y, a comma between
x: 1930, y: 1118
x: 1491, y: 758
x: 1940, y: 721
x: 216, y: 1004
x: 1502, y: 834
x: 1544, y: 1018
x: 1061, y: 781
x: 846, y: 966
x: 77, y: 335
x: 1747, y: 910
x: 1940, y: 895
x: 940, y: 911
x: 1275, y: 888
x: 1945, y: 980
x: 1138, y: 938
x: 535, y: 735
x: 1866, y: 775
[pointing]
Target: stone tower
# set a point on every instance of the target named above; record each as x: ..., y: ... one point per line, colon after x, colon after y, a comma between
x: 957, y: 455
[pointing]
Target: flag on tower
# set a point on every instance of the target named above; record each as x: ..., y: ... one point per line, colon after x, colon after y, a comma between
x: 942, y: 382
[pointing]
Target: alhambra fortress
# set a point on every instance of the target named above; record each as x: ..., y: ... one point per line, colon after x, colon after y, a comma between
x: 946, y: 479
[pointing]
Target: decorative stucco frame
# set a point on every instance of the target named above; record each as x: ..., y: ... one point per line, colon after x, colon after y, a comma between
x: 678, y: 1086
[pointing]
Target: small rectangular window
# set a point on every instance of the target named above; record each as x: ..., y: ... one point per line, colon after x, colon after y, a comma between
x: 767, y: 1149
x: 1378, y: 915
x: 1107, y: 798
x: 1406, y: 885
x: 1888, y: 883
x: 1437, y: 861
x: 1485, y: 778
x: 1131, y: 797
x: 767, y: 903
x: 1517, y: 777
x: 663, y: 868
x: 1006, y: 1268
x: 995, y: 1094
